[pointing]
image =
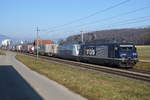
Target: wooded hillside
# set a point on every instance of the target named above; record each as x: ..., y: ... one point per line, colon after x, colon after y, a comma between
x: 137, y: 36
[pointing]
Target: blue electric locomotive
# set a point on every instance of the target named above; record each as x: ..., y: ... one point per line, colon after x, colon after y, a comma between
x: 117, y: 54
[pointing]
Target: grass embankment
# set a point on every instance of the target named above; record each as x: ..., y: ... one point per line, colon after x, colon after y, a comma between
x: 142, y: 65
x: 2, y: 53
x: 143, y: 54
x: 94, y: 86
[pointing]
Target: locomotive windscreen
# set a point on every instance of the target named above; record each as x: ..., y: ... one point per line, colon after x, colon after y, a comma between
x: 125, y: 48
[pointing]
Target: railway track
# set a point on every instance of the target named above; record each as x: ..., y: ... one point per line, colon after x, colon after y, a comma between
x: 139, y: 71
x: 141, y: 75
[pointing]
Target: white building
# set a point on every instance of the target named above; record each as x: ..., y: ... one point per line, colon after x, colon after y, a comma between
x: 6, y: 42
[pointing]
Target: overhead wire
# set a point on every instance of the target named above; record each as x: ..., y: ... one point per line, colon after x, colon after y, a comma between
x: 109, y: 18
x: 126, y: 23
x: 93, y: 14
x: 116, y: 16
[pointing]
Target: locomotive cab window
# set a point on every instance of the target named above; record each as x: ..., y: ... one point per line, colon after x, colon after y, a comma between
x: 125, y: 48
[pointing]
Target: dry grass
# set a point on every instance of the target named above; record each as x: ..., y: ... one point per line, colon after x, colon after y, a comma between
x: 142, y: 65
x: 143, y: 52
x: 2, y: 53
x: 94, y: 86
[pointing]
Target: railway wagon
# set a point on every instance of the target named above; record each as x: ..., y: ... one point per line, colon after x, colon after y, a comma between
x: 13, y: 48
x: 112, y: 54
x: 41, y: 46
x: 27, y: 47
x: 48, y: 49
x: 53, y: 49
x: 19, y: 48
x: 68, y: 51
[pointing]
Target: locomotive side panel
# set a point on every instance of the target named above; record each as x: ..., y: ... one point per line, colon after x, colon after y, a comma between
x: 99, y: 51
x: 102, y: 51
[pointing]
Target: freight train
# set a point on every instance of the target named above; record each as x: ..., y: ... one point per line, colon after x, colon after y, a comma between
x: 110, y: 54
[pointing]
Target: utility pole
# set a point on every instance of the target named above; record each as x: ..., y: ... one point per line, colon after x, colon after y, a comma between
x: 37, y: 42
x: 81, y: 36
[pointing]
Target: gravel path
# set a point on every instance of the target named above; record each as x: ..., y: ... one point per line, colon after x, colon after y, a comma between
x: 18, y: 82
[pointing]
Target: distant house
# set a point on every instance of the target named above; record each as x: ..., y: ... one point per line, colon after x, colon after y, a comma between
x: 40, y: 42
x: 6, y: 42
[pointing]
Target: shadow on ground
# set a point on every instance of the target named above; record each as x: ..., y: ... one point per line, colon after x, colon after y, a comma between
x: 14, y: 87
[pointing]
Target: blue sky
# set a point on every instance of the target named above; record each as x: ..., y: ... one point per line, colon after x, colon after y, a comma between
x: 19, y: 18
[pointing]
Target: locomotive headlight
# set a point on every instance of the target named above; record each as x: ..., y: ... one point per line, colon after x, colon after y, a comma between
x: 123, y: 55
x: 123, y: 59
x: 134, y: 54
